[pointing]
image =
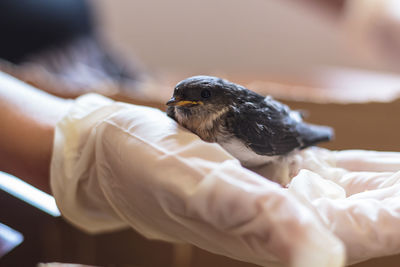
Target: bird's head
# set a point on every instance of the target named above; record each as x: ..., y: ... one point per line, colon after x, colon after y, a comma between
x: 202, y: 94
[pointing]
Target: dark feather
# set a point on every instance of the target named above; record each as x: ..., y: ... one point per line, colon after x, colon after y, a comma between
x: 268, y: 129
x: 312, y: 134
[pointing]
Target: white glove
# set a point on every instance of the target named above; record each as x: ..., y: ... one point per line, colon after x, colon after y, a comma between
x: 358, y: 200
x: 116, y: 165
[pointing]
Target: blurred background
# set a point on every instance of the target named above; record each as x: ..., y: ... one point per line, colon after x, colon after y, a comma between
x: 256, y: 37
x: 337, y: 59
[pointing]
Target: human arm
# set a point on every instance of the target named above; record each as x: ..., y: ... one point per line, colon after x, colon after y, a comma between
x: 28, y: 117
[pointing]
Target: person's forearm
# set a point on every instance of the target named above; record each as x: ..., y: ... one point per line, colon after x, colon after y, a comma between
x: 28, y: 117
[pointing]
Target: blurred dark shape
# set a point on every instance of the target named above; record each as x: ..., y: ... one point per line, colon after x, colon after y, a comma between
x: 31, y: 26
x: 54, y: 46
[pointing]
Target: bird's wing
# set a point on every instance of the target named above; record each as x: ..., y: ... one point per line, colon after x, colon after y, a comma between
x: 268, y: 132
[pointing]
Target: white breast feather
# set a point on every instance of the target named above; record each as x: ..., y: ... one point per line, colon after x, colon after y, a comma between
x: 246, y: 156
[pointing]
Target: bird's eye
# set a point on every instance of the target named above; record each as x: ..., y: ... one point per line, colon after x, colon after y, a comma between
x: 205, y: 93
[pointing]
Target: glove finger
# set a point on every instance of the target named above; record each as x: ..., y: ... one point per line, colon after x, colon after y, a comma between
x: 368, y: 227
x: 340, y: 167
x: 371, y: 161
x: 366, y: 222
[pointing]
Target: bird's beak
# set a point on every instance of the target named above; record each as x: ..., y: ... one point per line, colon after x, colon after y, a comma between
x: 172, y: 102
x: 178, y: 102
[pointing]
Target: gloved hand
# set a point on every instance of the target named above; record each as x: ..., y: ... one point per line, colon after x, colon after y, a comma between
x: 117, y: 165
x: 355, y: 193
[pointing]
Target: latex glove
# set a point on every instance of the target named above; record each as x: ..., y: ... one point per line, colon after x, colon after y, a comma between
x: 374, y: 28
x: 117, y: 165
x: 356, y: 193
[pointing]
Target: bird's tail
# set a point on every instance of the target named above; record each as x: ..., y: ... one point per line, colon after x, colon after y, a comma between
x: 313, y: 134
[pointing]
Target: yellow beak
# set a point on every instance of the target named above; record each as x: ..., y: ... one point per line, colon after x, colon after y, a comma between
x: 180, y: 103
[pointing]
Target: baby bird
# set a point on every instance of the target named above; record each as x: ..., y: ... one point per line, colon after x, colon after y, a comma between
x: 254, y: 129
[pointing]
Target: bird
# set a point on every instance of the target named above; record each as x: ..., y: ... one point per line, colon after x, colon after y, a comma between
x: 253, y: 128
